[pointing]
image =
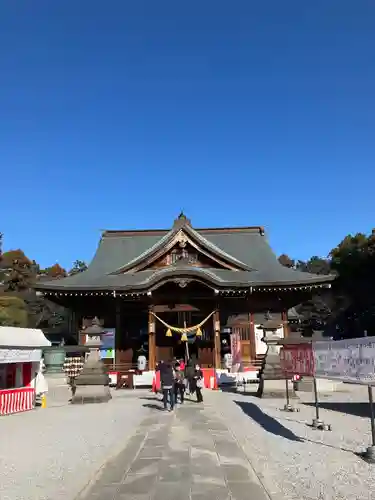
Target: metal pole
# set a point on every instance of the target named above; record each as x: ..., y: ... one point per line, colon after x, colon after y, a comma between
x: 288, y: 406
x: 316, y: 423
x: 372, y: 414
x: 187, y: 351
x: 186, y: 343
x: 316, y: 400
x: 287, y: 391
x: 369, y: 454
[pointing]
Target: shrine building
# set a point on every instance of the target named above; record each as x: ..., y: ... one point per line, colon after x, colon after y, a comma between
x: 163, y: 290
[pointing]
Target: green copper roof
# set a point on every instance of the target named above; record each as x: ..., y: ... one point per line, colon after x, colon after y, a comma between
x: 247, y: 248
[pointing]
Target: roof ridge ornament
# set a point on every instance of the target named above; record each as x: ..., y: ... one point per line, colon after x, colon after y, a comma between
x: 181, y: 221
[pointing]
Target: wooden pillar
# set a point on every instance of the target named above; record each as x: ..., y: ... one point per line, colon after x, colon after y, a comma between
x: 253, y: 352
x: 217, y: 344
x: 151, y: 340
x: 71, y: 321
x: 82, y: 337
x: 74, y: 325
x: 284, y: 317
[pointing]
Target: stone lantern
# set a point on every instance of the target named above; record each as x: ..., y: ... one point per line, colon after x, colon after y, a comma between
x: 93, y: 382
x: 271, y: 376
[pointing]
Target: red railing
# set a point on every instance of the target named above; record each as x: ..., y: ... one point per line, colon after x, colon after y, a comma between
x: 16, y: 400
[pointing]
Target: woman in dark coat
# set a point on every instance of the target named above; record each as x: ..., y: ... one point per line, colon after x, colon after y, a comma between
x: 199, y: 383
x: 189, y: 374
x: 167, y: 381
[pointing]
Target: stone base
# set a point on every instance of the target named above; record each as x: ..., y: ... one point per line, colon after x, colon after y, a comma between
x: 275, y: 389
x: 91, y: 394
x: 369, y: 455
x: 322, y: 385
x: 55, y: 379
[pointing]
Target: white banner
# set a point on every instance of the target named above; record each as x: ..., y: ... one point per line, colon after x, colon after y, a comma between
x: 20, y: 355
x: 351, y: 360
x: 235, y: 345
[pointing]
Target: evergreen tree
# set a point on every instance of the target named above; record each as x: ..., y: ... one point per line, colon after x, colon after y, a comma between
x: 78, y: 267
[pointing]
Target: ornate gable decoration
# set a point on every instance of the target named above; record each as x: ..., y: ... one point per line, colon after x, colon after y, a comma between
x: 183, y: 246
x: 181, y: 250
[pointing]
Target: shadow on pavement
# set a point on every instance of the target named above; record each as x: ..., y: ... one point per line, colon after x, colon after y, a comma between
x: 352, y: 408
x: 151, y: 398
x: 234, y: 390
x: 268, y: 423
x: 153, y: 407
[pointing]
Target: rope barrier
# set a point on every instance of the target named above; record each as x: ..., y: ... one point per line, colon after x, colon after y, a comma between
x: 185, y: 330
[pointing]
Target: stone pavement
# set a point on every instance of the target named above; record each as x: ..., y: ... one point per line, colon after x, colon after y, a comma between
x: 53, y: 453
x: 185, y: 454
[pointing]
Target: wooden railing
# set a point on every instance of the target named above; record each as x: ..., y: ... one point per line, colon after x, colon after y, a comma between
x: 121, y: 367
x: 256, y: 363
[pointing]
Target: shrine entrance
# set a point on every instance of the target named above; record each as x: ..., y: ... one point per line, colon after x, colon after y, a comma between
x: 172, y: 342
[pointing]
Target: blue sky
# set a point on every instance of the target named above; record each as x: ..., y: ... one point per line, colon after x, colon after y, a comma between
x: 119, y: 114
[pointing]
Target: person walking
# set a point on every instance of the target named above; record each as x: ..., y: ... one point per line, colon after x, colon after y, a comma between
x: 167, y: 384
x: 199, y: 383
x: 179, y: 386
x: 189, y: 374
x: 73, y: 366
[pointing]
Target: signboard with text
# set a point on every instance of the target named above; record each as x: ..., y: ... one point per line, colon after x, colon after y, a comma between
x: 107, y: 348
x: 351, y: 360
x: 297, y: 359
x: 20, y: 355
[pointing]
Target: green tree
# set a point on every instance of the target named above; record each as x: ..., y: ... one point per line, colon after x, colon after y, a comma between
x: 5, y: 319
x: 315, y: 312
x: 13, y: 311
x: 354, y: 261
x: 315, y: 265
x: 78, y: 267
x: 18, y: 275
x: 351, y: 259
x: 286, y: 261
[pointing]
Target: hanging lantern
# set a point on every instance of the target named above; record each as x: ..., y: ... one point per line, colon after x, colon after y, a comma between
x: 198, y: 333
x: 184, y: 337
x: 169, y: 333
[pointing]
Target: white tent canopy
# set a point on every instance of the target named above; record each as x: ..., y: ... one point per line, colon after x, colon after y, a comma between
x: 13, y: 337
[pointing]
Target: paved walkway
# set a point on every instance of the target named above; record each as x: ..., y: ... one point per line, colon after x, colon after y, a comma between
x: 53, y: 453
x: 186, y: 454
x: 142, y: 453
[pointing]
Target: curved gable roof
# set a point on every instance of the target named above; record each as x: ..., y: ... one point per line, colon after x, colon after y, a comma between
x: 247, y: 249
x: 169, y: 238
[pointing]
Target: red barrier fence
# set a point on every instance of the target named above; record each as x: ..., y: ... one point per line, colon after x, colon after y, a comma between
x: 156, y: 385
x: 298, y: 359
x: 16, y: 400
x: 209, y: 377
